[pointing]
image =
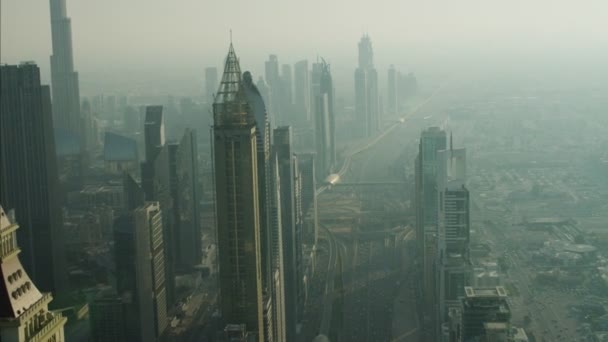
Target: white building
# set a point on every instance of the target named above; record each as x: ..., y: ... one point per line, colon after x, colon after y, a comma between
x: 24, y: 312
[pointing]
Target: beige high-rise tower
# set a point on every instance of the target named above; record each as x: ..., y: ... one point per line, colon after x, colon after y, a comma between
x: 237, y: 202
x: 24, y: 312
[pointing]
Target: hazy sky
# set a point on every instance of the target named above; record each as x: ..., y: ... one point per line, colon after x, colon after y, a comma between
x: 114, y: 35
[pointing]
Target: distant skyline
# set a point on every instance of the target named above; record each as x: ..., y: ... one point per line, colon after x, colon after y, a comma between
x: 185, y: 36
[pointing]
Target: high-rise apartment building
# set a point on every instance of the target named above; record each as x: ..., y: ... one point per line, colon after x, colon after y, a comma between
x: 453, y: 263
x: 309, y: 196
x: 237, y: 202
x: 366, y: 90
x: 325, y: 137
x: 278, y: 254
x: 302, y: 91
x: 24, y: 313
x: 392, y: 98
x: 287, y: 86
x: 427, y: 212
x: 140, y: 270
x: 28, y: 173
x: 66, y: 94
x: 183, y: 169
x: 273, y: 80
x: 282, y: 146
x: 156, y: 184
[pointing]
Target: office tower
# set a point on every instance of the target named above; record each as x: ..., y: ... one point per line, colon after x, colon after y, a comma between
x: 282, y: 146
x: 183, y: 168
x: 325, y: 143
x: 427, y: 201
x: 287, y: 84
x: 133, y: 194
x: 366, y: 90
x: 140, y: 270
x: 393, y: 100
x: 154, y: 129
x: 273, y: 79
x: 309, y: 195
x: 156, y: 184
x: 299, y: 234
x: 481, y: 306
x: 66, y: 96
x: 24, y: 313
x: 286, y: 93
x: 453, y: 263
x: 211, y: 82
x: 90, y: 127
x: 257, y: 108
x: 278, y: 253
x: 302, y: 92
x: 264, y: 91
x: 108, y: 317
x: 28, y: 173
x: 237, y: 202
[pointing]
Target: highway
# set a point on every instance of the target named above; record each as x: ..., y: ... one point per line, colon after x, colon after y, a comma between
x: 329, y: 294
x: 370, y: 285
x: 371, y: 143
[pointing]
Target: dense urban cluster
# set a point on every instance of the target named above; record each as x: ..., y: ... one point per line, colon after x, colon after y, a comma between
x: 272, y: 208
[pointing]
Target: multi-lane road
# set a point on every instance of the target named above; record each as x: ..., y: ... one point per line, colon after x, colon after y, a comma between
x: 370, y: 285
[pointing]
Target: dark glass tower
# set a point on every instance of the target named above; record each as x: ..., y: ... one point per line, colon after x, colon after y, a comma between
x: 28, y: 173
x: 183, y: 168
x: 282, y: 146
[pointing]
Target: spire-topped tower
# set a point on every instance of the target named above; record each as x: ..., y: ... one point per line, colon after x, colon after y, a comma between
x: 237, y: 189
x: 230, y: 103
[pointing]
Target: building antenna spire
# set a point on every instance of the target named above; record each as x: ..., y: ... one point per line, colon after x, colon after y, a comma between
x: 230, y: 36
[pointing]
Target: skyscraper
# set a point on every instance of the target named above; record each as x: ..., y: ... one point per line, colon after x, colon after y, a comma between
x: 286, y: 93
x: 66, y: 95
x: 393, y: 101
x: 237, y: 202
x: 211, y: 82
x: 309, y: 194
x: 156, y: 184
x: 366, y: 90
x: 183, y: 168
x: 453, y: 264
x: 282, y: 146
x: 273, y: 80
x: 140, y: 270
x: 325, y: 137
x: 28, y: 173
x: 302, y: 91
x: 24, y: 313
x: 427, y: 212
x: 271, y: 280
x: 278, y: 254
